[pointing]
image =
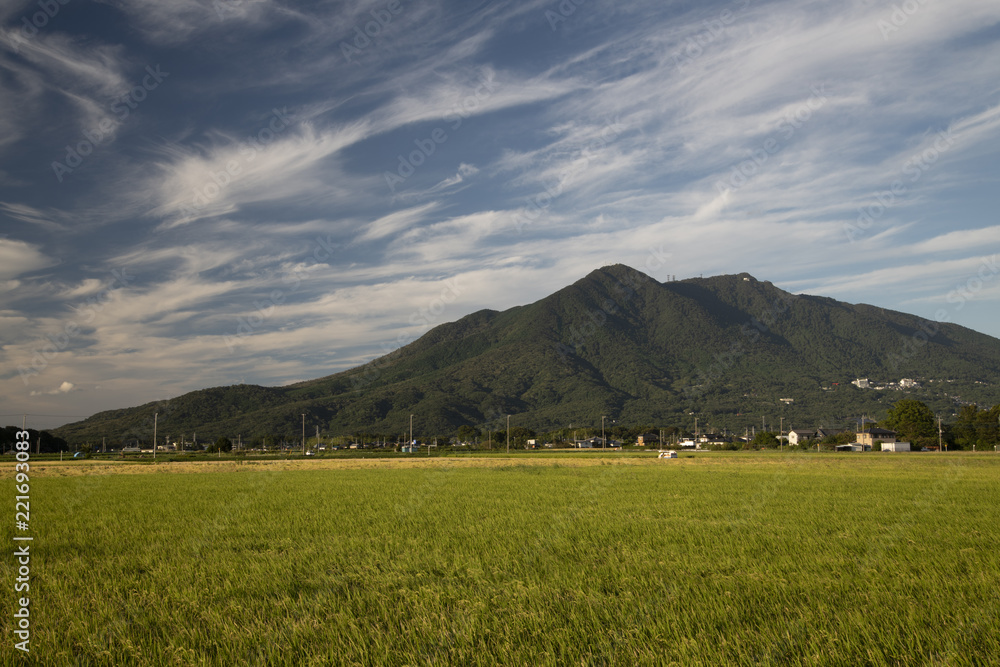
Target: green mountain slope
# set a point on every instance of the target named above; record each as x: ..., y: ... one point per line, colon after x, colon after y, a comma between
x: 615, y: 343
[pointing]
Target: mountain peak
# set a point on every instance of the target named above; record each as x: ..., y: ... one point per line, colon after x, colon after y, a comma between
x: 616, y: 342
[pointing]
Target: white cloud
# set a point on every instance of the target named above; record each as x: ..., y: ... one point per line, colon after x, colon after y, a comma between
x: 220, y: 178
x: 18, y: 258
x: 64, y: 388
x: 395, y: 222
x: 46, y: 220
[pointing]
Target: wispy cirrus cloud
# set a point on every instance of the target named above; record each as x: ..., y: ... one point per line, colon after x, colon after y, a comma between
x: 714, y: 138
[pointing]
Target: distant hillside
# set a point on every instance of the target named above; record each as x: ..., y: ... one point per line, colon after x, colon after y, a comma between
x: 615, y: 343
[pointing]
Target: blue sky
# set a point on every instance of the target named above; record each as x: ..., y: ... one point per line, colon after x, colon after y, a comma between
x: 196, y: 194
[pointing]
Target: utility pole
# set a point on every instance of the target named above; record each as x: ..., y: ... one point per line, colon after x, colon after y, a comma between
x: 604, y: 442
x: 411, y: 430
x: 303, y: 433
x: 939, y: 435
x: 508, y: 434
x: 155, y: 415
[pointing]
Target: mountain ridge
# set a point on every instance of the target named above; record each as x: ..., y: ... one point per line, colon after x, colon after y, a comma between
x: 615, y: 343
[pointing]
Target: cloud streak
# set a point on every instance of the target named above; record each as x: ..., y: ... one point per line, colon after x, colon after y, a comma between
x: 252, y: 191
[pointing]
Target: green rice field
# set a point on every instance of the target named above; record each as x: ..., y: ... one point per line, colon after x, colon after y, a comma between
x: 537, y: 559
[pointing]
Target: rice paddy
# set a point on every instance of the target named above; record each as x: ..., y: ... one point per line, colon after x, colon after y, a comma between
x: 710, y: 559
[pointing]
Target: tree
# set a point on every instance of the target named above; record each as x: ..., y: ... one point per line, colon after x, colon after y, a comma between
x: 520, y: 435
x: 976, y: 428
x: 912, y: 420
x: 763, y: 439
x: 223, y: 444
x: 467, y: 433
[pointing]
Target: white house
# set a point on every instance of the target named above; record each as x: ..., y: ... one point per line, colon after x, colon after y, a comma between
x: 798, y: 434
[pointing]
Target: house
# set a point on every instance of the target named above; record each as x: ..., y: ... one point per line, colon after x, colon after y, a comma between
x: 895, y: 446
x: 595, y: 443
x: 861, y: 383
x: 799, y: 434
x: 822, y: 433
x: 647, y: 439
x: 869, y: 436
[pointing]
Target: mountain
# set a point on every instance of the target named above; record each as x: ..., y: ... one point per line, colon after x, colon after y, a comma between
x: 616, y: 343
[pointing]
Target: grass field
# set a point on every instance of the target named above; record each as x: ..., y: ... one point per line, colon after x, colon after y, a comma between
x: 880, y: 559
